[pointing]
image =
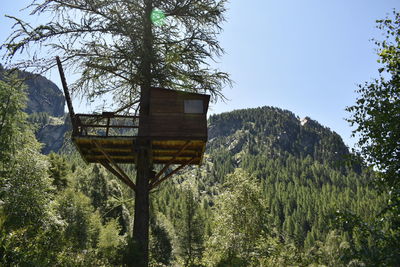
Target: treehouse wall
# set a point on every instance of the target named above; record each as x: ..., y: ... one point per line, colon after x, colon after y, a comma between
x: 176, y: 115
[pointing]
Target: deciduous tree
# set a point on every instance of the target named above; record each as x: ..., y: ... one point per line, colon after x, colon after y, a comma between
x: 376, y: 116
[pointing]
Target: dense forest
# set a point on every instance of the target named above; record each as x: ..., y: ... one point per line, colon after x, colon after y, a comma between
x: 273, y: 190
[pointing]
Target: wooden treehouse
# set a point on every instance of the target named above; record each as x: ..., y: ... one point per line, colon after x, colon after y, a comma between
x: 176, y: 127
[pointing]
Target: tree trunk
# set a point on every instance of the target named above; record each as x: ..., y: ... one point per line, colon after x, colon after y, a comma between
x: 141, y: 220
x: 143, y: 147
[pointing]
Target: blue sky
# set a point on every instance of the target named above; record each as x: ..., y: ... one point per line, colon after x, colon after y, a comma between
x: 306, y: 56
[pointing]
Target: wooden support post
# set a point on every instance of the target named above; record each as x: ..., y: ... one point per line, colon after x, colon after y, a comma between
x: 67, y: 95
x: 142, y: 205
x: 108, y: 126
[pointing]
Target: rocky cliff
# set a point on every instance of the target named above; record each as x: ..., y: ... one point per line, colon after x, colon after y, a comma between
x: 43, y: 94
x: 46, y: 109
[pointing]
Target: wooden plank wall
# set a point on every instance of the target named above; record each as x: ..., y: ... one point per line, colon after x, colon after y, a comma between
x: 167, y: 117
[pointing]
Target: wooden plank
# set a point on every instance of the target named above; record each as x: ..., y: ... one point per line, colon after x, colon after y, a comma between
x: 113, y: 154
x: 178, y: 160
x: 109, y: 126
x: 172, y: 160
x: 115, y: 158
x: 109, y: 139
x: 185, y: 153
x: 115, y: 165
x: 115, y: 150
x: 127, y: 161
x: 101, y: 116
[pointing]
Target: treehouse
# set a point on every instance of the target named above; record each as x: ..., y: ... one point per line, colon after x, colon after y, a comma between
x: 176, y: 127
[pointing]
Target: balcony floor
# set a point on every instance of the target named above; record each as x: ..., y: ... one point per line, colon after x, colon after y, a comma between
x: 119, y: 149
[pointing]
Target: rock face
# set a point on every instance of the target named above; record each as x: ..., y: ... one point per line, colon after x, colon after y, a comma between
x: 52, y: 136
x: 43, y: 95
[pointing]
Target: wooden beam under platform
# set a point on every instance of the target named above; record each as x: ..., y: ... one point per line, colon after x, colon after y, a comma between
x: 114, y: 168
x: 171, y: 161
x: 128, y: 182
x: 159, y: 181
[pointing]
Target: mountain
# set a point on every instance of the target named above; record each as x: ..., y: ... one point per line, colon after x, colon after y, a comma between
x: 272, y: 131
x: 45, y: 107
x: 43, y: 94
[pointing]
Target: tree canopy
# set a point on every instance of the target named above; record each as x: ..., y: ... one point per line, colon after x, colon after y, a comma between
x: 103, y: 41
x: 376, y: 113
x: 376, y: 116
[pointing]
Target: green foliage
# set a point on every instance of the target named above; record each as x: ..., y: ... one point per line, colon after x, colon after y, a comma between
x: 376, y: 113
x: 75, y: 209
x: 24, y: 183
x: 105, y: 193
x: 59, y: 170
x: 119, y: 49
x: 377, y: 121
x: 190, y: 227
x: 12, y: 118
x: 160, y: 243
x: 28, y: 226
x: 110, y: 243
x: 239, y: 224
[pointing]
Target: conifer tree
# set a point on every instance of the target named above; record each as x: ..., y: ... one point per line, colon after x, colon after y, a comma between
x: 125, y: 47
x: 191, y: 229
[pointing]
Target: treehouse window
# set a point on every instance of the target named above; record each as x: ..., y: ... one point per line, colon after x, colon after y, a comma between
x: 194, y: 106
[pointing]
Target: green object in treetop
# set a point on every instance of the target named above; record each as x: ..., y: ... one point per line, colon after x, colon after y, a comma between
x: 157, y: 17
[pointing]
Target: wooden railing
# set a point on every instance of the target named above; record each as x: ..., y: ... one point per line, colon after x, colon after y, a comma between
x: 106, y: 124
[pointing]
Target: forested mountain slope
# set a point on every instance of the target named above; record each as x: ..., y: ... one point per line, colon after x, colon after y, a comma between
x: 303, y: 175
x: 272, y: 131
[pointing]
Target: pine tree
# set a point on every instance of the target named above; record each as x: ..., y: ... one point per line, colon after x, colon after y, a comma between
x: 190, y: 229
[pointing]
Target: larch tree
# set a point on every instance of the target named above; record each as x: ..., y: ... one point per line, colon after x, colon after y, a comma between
x: 123, y: 48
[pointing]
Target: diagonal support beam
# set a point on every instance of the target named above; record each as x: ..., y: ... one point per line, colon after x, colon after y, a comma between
x: 121, y: 174
x: 118, y: 175
x: 158, y: 175
x: 157, y: 182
